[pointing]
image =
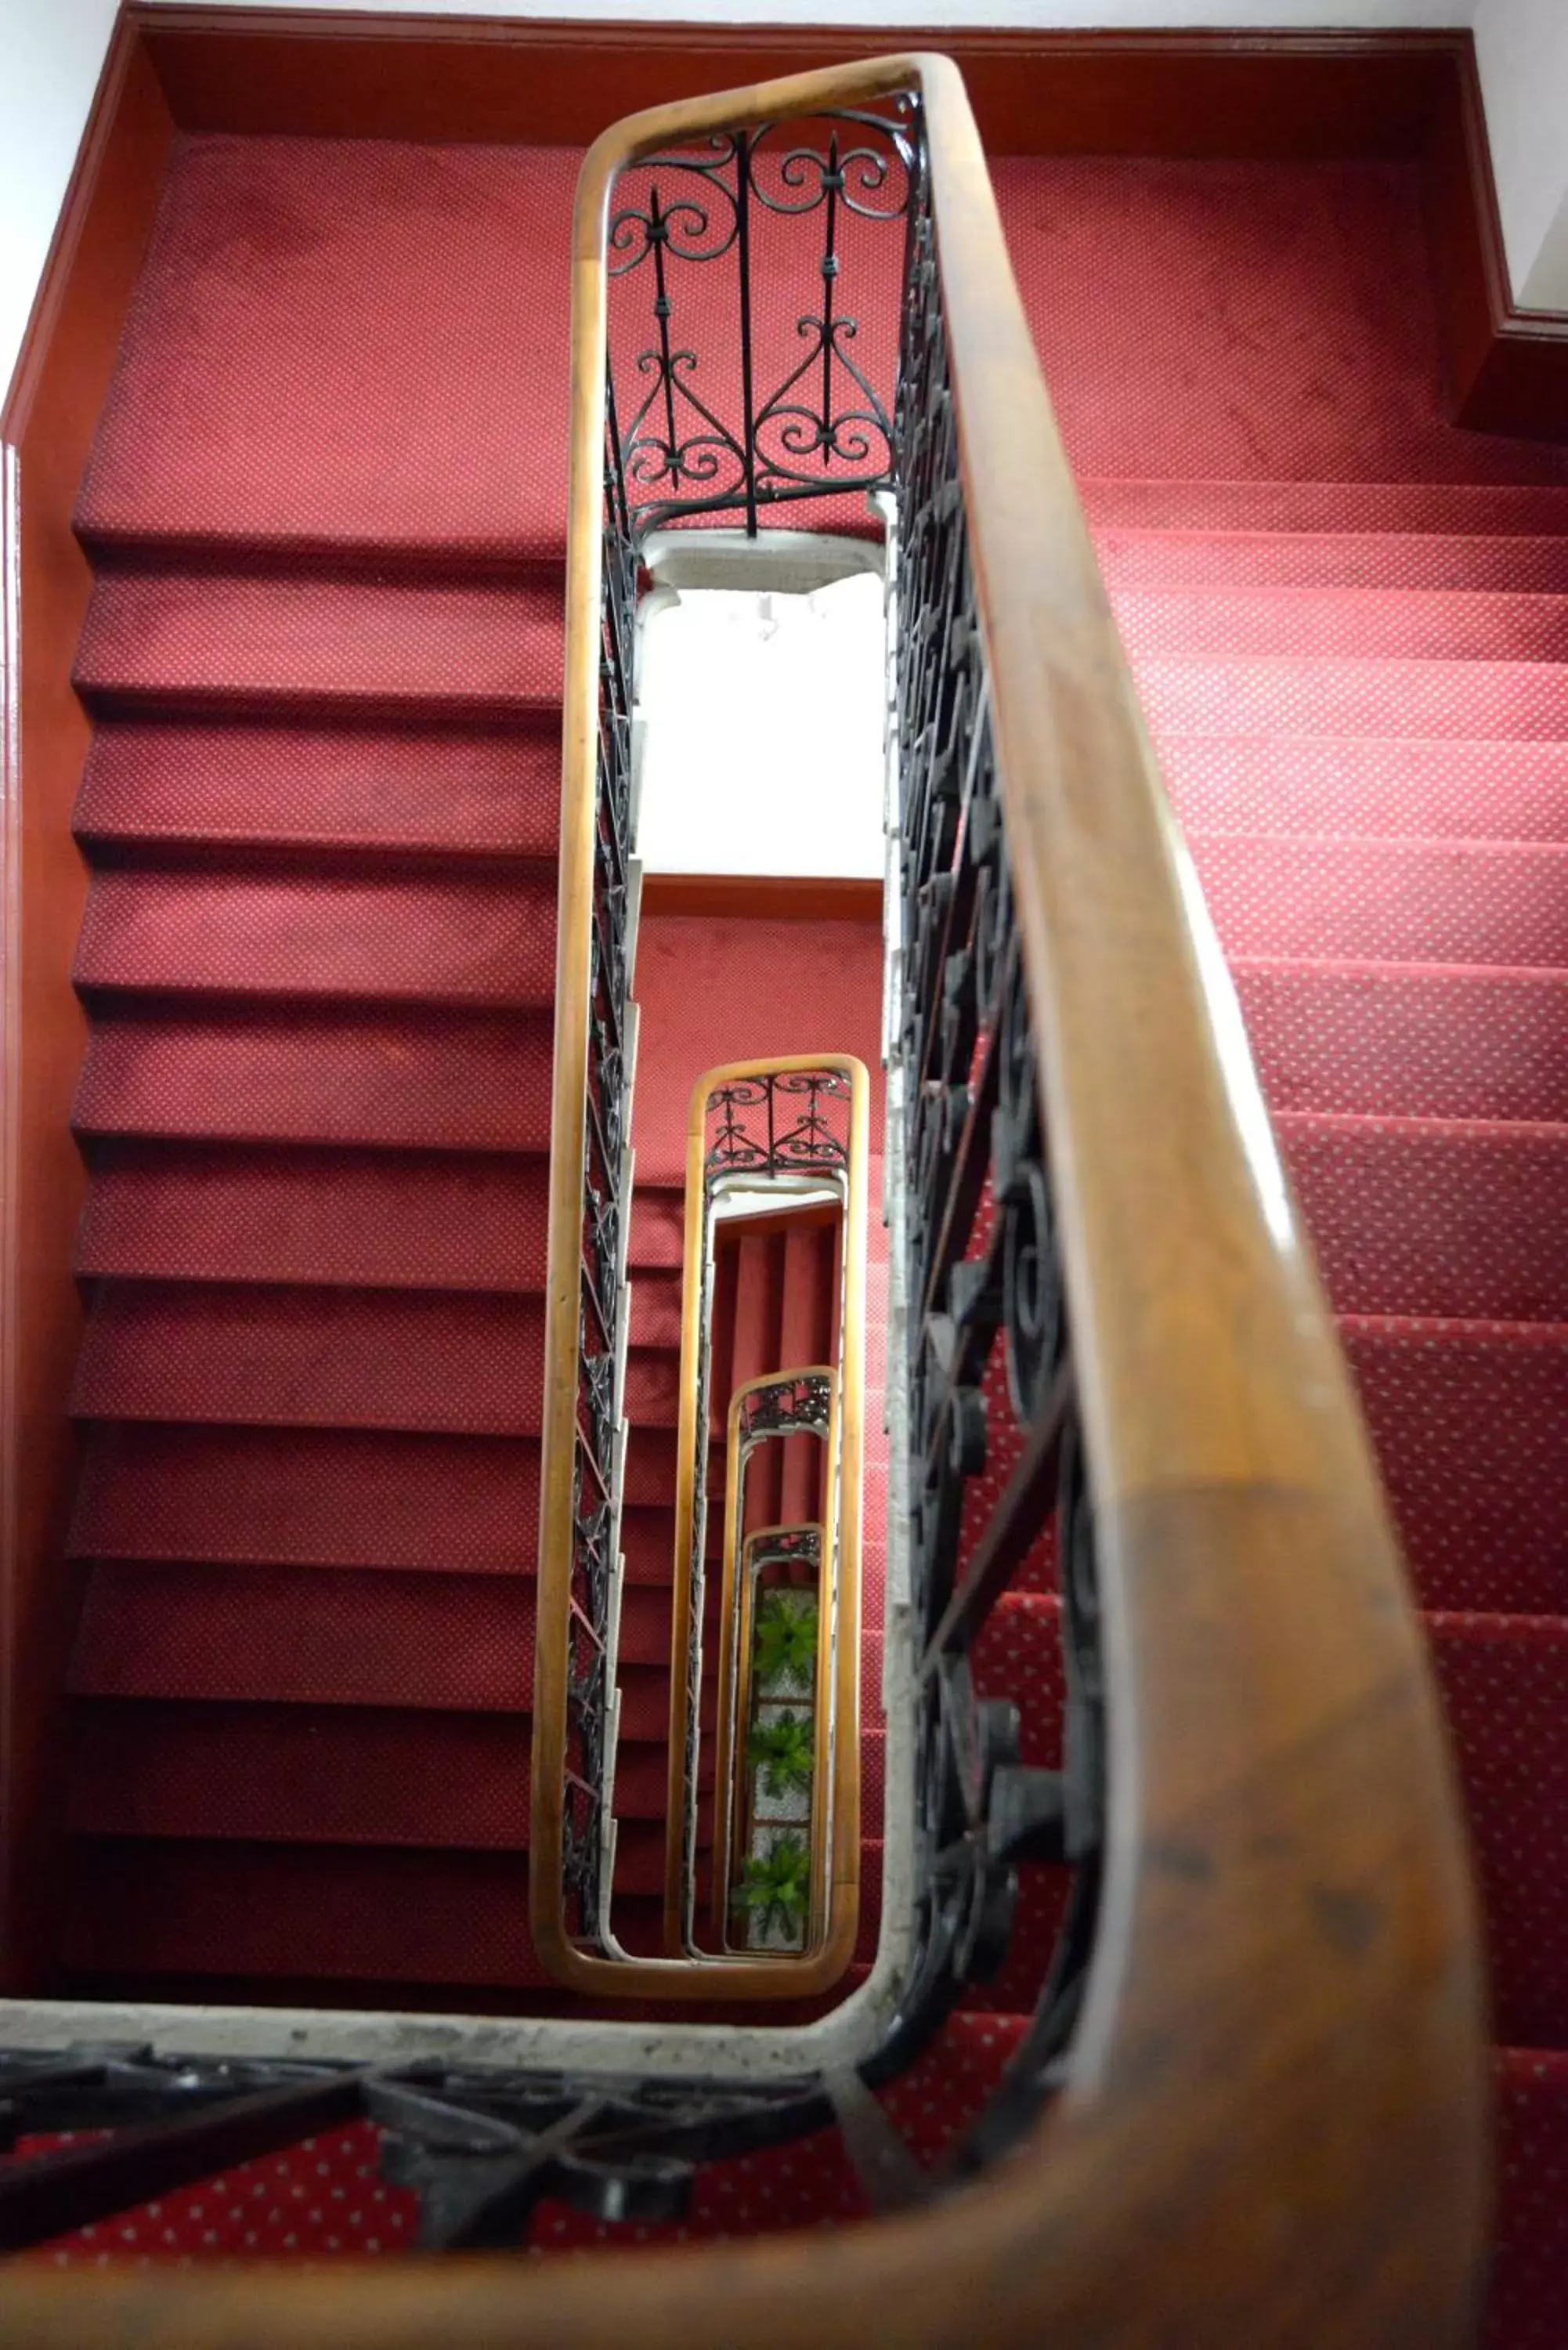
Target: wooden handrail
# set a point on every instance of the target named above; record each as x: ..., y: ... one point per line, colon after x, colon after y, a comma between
x: 1276, y: 2129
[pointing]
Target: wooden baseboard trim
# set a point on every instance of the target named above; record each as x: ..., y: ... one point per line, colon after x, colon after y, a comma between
x: 765, y: 897
x: 46, y: 428
x: 561, y: 81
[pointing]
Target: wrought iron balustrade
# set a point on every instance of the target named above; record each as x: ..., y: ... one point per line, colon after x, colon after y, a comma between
x: 742, y: 400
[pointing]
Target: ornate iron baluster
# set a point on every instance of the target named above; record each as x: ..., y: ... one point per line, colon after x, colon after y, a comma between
x: 594, y: 1595
x: 982, y: 1274
x: 681, y: 454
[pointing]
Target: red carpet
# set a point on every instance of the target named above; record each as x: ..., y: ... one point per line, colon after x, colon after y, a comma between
x: 326, y: 501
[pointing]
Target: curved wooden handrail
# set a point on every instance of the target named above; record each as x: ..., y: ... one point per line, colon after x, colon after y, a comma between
x: 1275, y: 2135
x: 1277, y: 2130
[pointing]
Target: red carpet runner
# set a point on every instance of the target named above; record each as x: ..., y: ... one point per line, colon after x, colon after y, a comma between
x: 324, y: 658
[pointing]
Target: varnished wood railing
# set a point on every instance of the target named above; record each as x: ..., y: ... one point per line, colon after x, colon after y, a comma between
x: 1275, y: 2129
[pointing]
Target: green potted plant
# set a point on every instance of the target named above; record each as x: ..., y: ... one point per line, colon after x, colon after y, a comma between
x: 784, y: 1653
x: 783, y: 1753
x: 774, y: 1891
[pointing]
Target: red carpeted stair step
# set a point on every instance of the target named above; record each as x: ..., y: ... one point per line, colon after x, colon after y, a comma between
x: 319, y: 1774
x: 307, y: 1636
x: 1531, y: 2162
x: 356, y: 382
x: 254, y: 643
x: 1284, y: 694
x: 1469, y: 901
x: 488, y: 940
x: 1503, y: 1679
x: 1443, y: 790
x: 154, y: 786
x: 652, y: 1391
x: 1417, y: 1041
x: 1421, y: 561
x: 1459, y: 508
x: 291, y: 1635
x: 1418, y: 1216
x: 656, y: 1311
x: 308, y: 1497
x: 1412, y: 624
x: 193, y: 1212
x: 1468, y: 1419
x: 327, y: 1775
x: 431, y: 1080
x: 312, y: 1358
x: 145, y: 1906
x: 657, y: 1242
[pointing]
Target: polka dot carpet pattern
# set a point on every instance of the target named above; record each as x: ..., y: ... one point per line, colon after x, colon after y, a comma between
x: 318, y: 2200
x: 323, y: 659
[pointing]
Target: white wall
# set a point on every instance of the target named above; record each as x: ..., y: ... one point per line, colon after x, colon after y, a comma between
x: 806, y: 794
x: 1521, y: 47
x: 51, y: 52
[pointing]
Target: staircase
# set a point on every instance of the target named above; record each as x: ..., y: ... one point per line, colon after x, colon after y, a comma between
x: 318, y: 959
x: 324, y: 665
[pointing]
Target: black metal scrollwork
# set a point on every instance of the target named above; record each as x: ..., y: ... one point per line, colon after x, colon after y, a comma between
x: 704, y: 442
x: 984, y: 1271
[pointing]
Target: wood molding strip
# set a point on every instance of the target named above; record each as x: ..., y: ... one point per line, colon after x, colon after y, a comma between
x: 764, y: 897
x: 47, y: 424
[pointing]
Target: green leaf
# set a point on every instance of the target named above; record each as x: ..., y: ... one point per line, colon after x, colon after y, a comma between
x: 784, y: 1751
x: 785, y: 1641
x: 775, y: 1885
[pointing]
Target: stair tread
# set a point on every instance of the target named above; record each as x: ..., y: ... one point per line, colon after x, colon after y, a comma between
x: 312, y: 1358
x: 315, y: 1774
x: 1427, y: 1042
x: 295, y: 1635
x: 247, y: 640
x: 1318, y: 694
x: 308, y: 1497
x: 434, y: 791
x: 393, y: 938
x: 1468, y: 508
x: 1434, y: 1217
x: 1420, y: 560
x: 1458, y: 901
x: 1502, y: 1680
x: 1532, y: 2156
x: 432, y: 1080
x: 195, y: 1213
x: 321, y: 1774
x: 290, y: 361
x: 1444, y: 789
x: 188, y: 1907
x: 1236, y: 622
x: 350, y: 1636
x: 1481, y: 1522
